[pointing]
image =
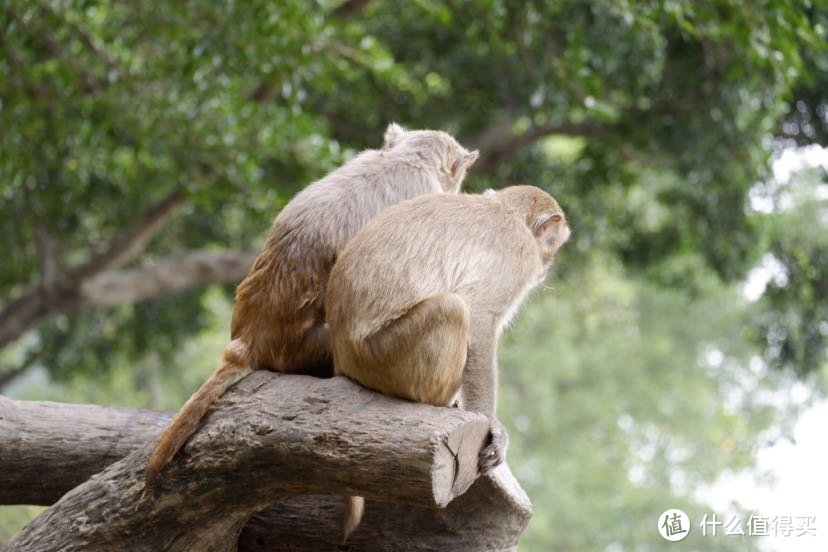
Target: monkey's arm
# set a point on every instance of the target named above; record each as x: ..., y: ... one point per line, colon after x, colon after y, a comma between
x: 479, y: 383
x: 479, y: 389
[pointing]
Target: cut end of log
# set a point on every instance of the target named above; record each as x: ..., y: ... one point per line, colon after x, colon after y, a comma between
x: 456, y: 460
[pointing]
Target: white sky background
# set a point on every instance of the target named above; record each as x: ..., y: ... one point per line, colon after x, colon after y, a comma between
x: 801, y: 472
x: 800, y: 468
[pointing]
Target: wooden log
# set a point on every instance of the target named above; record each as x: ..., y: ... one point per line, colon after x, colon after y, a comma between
x: 271, y: 435
x: 48, y: 448
x: 489, y: 517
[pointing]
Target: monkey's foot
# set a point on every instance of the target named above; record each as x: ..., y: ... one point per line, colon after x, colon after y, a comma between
x: 494, y: 453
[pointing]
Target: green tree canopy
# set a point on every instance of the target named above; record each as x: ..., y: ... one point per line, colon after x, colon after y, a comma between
x: 141, y: 141
x: 649, y: 120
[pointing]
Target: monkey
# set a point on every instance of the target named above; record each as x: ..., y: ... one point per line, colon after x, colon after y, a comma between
x: 417, y: 300
x: 278, y: 321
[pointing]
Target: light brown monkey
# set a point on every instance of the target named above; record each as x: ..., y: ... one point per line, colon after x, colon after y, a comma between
x: 417, y: 300
x: 279, y: 319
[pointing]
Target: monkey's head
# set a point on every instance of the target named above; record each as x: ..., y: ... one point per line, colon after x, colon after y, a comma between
x: 432, y: 148
x: 544, y: 218
x: 551, y: 231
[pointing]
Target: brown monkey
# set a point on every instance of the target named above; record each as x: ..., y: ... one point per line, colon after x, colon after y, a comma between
x: 279, y: 319
x: 417, y: 300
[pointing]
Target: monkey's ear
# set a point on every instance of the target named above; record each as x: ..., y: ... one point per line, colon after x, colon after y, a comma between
x: 463, y: 162
x: 393, y: 135
x: 544, y: 222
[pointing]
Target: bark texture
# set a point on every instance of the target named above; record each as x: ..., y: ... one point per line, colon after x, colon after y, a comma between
x: 490, y: 516
x: 270, y: 437
x: 48, y: 448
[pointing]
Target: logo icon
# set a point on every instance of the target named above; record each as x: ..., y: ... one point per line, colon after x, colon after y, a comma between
x: 673, y: 524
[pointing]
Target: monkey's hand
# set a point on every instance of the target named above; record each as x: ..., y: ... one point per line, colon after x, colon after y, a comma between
x: 494, y: 453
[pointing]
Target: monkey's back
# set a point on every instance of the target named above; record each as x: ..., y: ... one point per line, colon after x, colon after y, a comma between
x: 282, y: 297
x: 423, y: 247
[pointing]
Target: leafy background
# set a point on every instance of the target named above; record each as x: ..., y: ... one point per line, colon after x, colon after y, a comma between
x: 642, y: 372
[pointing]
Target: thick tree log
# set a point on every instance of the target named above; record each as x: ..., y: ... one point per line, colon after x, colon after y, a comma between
x: 491, y: 516
x: 272, y: 435
x: 48, y: 448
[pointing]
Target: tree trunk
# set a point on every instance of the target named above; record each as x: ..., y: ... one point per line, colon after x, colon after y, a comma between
x: 271, y: 436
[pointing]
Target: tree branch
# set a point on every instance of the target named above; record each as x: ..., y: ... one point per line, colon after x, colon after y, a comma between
x: 350, y: 8
x: 24, y: 311
x: 128, y: 245
x: 47, y: 254
x: 44, y: 299
x: 499, y: 144
x: 169, y: 275
x: 8, y: 373
x: 271, y: 435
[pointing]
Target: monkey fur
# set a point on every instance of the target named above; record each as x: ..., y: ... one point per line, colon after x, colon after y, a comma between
x: 417, y: 300
x: 278, y: 322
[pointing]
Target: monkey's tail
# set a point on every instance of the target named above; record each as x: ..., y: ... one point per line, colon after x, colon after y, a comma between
x: 354, y: 508
x: 234, y: 363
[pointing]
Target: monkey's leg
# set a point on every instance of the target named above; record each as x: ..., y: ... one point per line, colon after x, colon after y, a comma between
x: 479, y: 389
x: 420, y: 356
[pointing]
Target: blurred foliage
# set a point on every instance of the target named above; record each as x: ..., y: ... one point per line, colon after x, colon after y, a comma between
x: 674, y: 106
x: 640, y: 376
x: 12, y: 518
x: 794, y: 316
x: 621, y: 403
